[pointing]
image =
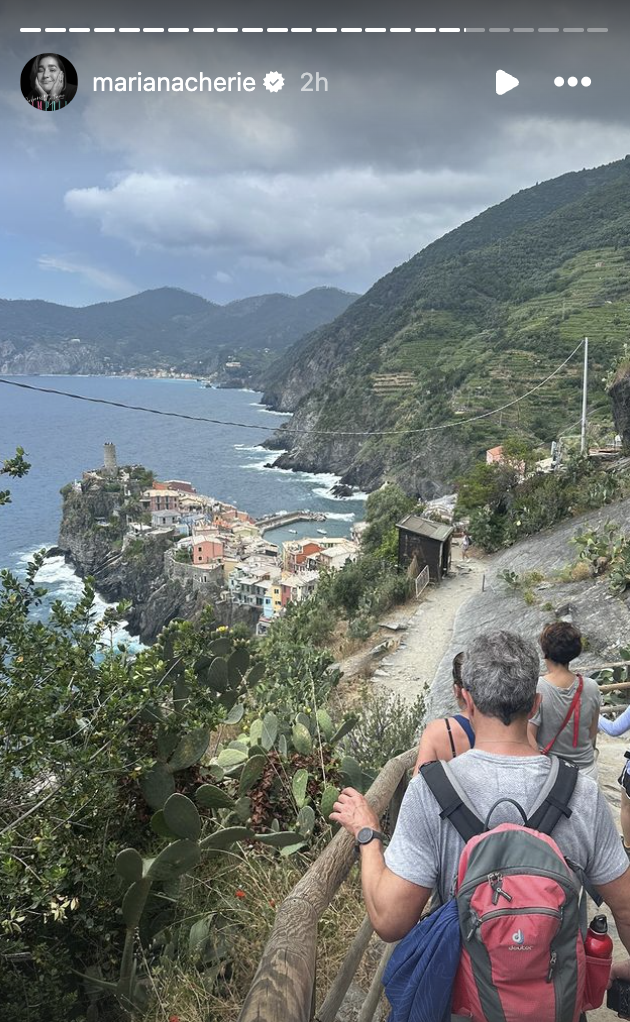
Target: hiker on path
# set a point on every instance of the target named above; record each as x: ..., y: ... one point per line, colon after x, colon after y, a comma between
x: 567, y: 717
x: 447, y: 737
x: 616, y: 728
x: 500, y: 677
x: 466, y: 545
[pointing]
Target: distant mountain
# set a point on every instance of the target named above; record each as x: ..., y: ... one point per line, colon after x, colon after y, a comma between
x: 476, y: 319
x: 155, y: 329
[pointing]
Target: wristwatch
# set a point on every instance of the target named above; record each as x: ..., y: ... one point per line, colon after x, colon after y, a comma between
x: 367, y: 834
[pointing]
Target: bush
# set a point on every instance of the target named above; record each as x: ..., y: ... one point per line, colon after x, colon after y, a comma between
x: 387, y: 726
x: 581, y: 572
x: 383, y: 509
x: 361, y: 628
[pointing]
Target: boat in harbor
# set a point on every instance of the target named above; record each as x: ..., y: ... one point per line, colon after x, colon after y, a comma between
x: 294, y: 531
x: 322, y: 532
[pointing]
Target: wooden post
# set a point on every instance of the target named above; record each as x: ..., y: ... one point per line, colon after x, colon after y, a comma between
x: 370, y: 1003
x: 613, y: 688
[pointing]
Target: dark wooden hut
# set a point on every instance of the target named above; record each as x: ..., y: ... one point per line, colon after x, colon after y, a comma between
x: 429, y: 542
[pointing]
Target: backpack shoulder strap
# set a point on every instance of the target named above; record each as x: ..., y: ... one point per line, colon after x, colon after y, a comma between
x: 554, y: 799
x: 452, y: 800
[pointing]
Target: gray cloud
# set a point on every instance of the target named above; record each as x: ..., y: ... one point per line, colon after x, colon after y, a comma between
x: 255, y: 191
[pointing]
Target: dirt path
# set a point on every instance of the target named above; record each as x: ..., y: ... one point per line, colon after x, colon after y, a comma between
x: 413, y: 664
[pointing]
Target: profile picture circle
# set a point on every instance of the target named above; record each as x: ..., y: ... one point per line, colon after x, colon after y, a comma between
x: 49, y: 81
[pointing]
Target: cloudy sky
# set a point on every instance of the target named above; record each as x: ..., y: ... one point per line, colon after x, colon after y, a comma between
x: 230, y: 195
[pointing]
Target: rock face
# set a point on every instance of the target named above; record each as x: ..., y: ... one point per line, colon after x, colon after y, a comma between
x: 603, y: 619
x: 427, y: 468
x: 40, y: 358
x: 136, y: 573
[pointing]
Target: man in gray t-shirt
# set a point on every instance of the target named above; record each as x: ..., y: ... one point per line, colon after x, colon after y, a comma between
x: 500, y: 674
x: 425, y: 849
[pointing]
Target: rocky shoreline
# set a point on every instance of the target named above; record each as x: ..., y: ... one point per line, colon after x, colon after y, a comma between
x: 135, y: 572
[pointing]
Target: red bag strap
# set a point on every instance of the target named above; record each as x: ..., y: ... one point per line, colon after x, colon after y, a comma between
x: 573, y: 711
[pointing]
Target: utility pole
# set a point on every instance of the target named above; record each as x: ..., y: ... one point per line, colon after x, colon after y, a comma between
x: 584, y: 389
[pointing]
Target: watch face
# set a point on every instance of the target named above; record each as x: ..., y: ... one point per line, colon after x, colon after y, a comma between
x: 365, y: 835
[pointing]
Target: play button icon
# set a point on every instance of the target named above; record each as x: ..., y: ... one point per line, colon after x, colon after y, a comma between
x: 505, y: 82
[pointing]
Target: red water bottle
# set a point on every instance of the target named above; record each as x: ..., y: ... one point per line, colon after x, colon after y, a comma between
x: 598, y: 943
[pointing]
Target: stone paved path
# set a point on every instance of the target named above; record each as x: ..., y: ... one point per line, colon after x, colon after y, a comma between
x: 414, y: 663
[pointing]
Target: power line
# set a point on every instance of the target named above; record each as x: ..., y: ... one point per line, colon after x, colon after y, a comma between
x: 296, y: 430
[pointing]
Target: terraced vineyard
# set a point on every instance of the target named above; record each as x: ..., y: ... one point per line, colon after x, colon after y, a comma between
x: 539, y: 334
x: 475, y: 320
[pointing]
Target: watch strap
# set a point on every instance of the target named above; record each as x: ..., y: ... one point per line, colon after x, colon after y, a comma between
x: 376, y: 834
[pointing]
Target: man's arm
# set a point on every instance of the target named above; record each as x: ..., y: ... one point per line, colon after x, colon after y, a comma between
x: 616, y: 894
x: 394, y: 905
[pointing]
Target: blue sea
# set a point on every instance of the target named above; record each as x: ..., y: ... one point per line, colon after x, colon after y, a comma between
x: 63, y: 437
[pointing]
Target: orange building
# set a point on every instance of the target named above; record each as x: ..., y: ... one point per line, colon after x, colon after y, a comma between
x: 296, y: 552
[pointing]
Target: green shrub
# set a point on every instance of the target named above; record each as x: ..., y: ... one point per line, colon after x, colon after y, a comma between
x: 387, y: 726
x: 383, y: 508
x: 361, y: 627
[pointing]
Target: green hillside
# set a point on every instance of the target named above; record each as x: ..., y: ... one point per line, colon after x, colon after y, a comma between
x: 478, y: 318
x: 157, y: 329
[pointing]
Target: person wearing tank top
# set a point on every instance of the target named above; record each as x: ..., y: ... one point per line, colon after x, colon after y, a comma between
x: 447, y: 737
x: 565, y: 723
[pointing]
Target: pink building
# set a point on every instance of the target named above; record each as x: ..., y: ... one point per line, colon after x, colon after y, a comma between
x: 207, y: 548
x: 160, y: 500
x: 495, y: 456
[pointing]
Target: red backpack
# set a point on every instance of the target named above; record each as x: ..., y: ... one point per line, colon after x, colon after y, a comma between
x: 519, y: 910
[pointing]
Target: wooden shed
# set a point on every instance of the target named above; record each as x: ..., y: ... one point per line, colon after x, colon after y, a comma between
x: 429, y: 542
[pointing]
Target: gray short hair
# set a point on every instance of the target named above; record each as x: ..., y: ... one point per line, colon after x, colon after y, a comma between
x: 500, y: 671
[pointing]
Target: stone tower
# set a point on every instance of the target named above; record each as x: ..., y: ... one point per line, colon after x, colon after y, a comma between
x: 109, y: 455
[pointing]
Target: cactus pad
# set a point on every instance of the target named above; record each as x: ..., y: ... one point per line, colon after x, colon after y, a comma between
x: 157, y: 784
x: 190, y: 750
x: 174, y: 860
x: 181, y: 816
x: 129, y: 865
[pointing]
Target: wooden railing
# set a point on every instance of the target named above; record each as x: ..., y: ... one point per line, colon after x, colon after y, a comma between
x: 283, y: 989
x: 422, y: 581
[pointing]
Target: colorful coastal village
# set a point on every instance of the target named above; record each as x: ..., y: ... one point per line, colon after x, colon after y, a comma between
x: 216, y: 542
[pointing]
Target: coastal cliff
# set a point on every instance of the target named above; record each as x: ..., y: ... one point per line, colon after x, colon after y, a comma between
x: 91, y: 537
x: 488, y: 317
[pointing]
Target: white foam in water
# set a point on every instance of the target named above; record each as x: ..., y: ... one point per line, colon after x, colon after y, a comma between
x: 338, y: 516
x: 264, y: 466
x: 269, y: 411
x: 65, y: 585
x: 324, y: 492
x: 325, y: 480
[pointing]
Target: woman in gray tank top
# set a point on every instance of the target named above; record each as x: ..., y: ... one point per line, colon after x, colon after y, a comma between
x: 565, y: 723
